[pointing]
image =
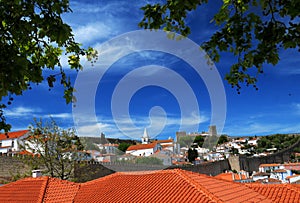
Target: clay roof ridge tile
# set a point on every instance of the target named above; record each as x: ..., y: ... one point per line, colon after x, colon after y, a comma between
x: 196, y: 185
x: 42, y: 196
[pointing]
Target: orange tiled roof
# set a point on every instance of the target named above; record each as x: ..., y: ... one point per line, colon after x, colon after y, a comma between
x: 11, y: 135
x: 278, y: 192
x: 292, y: 176
x: 60, y: 191
x: 154, y: 186
x: 165, y: 186
x: 25, y: 152
x: 141, y: 146
x: 26, y: 190
x: 279, y: 171
x: 164, y: 141
x: 230, y: 176
x: 268, y: 165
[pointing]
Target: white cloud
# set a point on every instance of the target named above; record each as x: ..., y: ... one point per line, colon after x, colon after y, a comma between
x: 94, y: 31
x: 21, y: 111
x: 135, y: 125
x: 261, y: 128
x: 61, y: 115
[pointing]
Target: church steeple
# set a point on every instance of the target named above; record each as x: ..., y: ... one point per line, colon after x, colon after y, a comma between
x: 145, y: 138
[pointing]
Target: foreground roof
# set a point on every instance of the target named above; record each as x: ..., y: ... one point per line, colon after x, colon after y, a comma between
x: 278, y: 192
x: 151, y: 186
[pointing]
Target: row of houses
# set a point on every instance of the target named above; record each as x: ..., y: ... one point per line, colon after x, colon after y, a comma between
x: 267, y: 174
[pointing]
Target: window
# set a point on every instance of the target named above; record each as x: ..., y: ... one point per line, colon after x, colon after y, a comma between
x: 0, y: 144
x: 12, y: 143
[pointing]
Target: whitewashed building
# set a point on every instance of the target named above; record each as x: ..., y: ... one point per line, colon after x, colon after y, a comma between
x: 9, y: 142
x: 144, y: 149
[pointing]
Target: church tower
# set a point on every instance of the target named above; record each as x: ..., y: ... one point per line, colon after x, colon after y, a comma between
x: 145, y: 138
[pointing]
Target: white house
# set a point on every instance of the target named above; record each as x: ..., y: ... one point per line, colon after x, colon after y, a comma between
x: 253, y: 141
x: 260, y: 176
x: 269, y: 167
x: 281, y: 174
x: 9, y: 142
x: 292, y: 179
x: 144, y: 149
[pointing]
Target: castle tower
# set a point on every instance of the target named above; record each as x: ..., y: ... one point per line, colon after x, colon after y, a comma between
x: 212, y: 130
x: 145, y: 138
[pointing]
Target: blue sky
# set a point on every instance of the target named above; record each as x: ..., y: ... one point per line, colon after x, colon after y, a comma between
x: 274, y: 108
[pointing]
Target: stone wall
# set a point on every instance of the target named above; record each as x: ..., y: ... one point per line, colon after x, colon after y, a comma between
x: 252, y: 163
x: 208, y: 168
x: 85, y: 171
x: 11, y: 166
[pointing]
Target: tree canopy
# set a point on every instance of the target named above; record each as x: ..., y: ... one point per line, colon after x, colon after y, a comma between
x: 33, y: 37
x: 254, y: 31
x: 55, y: 149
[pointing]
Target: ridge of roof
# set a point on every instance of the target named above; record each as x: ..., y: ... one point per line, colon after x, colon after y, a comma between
x: 195, y: 184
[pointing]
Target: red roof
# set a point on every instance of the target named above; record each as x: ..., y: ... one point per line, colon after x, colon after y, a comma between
x: 25, y: 152
x: 164, y: 141
x: 141, y: 146
x: 151, y: 186
x: 43, y: 189
x: 278, y: 192
x: 231, y: 176
x: 268, y: 165
x: 11, y: 135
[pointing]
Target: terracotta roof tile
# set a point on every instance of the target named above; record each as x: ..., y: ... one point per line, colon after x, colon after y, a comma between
x: 154, y: 186
x: 278, y: 192
x: 11, y: 135
x: 165, y: 186
x: 25, y: 190
x: 292, y: 176
x: 141, y: 146
x: 279, y: 171
x: 268, y: 165
x: 60, y: 191
x: 231, y: 176
x: 164, y: 141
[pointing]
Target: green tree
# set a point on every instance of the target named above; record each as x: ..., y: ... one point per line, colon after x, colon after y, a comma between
x: 254, y: 31
x: 199, y: 140
x: 192, y: 154
x: 33, y: 38
x: 55, y: 149
x: 123, y: 146
x: 223, y: 139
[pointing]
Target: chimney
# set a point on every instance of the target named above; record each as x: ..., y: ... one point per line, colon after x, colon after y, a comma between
x: 36, y: 173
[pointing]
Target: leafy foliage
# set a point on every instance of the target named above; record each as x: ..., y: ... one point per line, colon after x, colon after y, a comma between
x: 223, y: 139
x: 55, y: 149
x: 254, y: 31
x: 192, y: 154
x: 33, y: 37
x: 123, y: 146
x: 279, y: 141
